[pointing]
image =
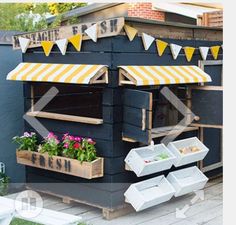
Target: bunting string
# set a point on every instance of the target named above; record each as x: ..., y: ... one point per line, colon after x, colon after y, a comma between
x: 131, y: 32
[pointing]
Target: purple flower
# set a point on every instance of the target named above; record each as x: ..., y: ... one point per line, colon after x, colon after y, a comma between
x: 26, y: 134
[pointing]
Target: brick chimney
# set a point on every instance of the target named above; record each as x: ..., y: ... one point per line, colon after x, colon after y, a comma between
x: 145, y: 10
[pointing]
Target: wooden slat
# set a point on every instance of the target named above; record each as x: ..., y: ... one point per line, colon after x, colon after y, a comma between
x: 60, y: 164
x: 57, y: 116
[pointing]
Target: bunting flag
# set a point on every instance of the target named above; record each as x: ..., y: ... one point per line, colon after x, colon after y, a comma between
x: 24, y: 44
x: 47, y: 47
x: 189, y: 51
x: 62, y: 45
x: 204, y: 52
x: 175, y: 50
x: 131, y: 32
x: 215, y: 51
x: 92, y: 32
x: 161, y: 46
x: 147, y: 40
x: 76, y: 41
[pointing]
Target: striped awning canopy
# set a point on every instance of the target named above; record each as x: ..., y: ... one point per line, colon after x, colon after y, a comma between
x: 61, y: 73
x: 157, y: 75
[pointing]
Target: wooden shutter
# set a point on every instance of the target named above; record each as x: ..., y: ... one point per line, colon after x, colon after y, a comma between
x: 137, y: 115
x: 207, y: 104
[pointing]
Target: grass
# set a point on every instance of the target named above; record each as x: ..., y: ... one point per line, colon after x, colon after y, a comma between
x: 23, y: 222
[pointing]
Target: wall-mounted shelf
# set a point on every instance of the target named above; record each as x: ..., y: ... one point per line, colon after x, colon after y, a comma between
x: 185, y: 158
x: 187, y: 180
x: 64, y: 117
x: 149, y: 159
x: 149, y: 193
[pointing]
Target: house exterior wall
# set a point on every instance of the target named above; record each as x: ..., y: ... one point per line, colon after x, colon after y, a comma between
x: 11, y: 112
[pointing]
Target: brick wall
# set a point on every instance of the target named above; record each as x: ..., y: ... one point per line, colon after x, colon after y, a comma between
x: 145, y: 10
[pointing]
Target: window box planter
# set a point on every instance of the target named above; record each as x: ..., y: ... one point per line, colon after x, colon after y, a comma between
x: 88, y: 170
x: 187, y: 180
x: 144, y: 160
x: 149, y: 193
x: 183, y: 159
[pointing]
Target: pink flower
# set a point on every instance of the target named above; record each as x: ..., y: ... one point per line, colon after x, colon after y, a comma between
x: 76, y: 145
x: 65, y: 136
x: 66, y: 145
x: 51, y: 135
x: 71, y: 138
x: 90, y: 141
x: 78, y: 139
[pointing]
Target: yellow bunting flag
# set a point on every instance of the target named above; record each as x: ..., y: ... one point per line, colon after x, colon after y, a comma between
x: 47, y: 47
x: 76, y: 41
x: 215, y: 51
x: 130, y: 31
x: 189, y: 51
x: 161, y: 46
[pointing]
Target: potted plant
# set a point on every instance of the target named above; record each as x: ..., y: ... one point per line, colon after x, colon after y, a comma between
x: 72, y: 155
x: 4, y: 184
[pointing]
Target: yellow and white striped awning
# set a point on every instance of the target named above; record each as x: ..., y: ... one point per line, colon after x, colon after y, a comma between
x: 61, y: 73
x: 157, y: 75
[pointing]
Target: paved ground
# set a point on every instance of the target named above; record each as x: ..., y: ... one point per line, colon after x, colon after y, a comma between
x: 207, y: 212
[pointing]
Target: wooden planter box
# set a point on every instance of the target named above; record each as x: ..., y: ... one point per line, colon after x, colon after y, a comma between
x: 137, y: 160
x: 187, y: 180
x: 148, y: 193
x: 60, y: 164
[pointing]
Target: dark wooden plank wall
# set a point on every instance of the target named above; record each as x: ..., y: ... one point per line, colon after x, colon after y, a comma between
x: 112, y: 52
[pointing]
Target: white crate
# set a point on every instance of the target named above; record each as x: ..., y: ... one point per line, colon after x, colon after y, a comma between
x: 137, y: 156
x: 183, y: 159
x: 187, y: 180
x: 149, y: 193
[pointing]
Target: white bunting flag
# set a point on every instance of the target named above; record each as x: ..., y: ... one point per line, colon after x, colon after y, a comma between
x: 62, y: 45
x: 147, y: 40
x: 24, y: 44
x: 92, y: 32
x: 175, y: 50
x: 204, y: 52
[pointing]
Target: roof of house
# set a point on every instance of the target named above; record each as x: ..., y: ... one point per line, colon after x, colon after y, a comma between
x: 185, y: 9
x: 81, y: 11
x: 6, y: 36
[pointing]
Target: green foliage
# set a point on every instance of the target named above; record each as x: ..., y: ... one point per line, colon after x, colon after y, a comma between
x: 4, y: 183
x: 26, y: 142
x: 51, y: 145
x: 23, y: 17
x: 17, y: 221
x: 59, y: 8
x: 87, y: 152
x: 32, y: 16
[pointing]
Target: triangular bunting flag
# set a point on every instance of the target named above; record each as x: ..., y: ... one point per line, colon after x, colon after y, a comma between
x: 215, y: 51
x: 161, y: 46
x: 47, y: 47
x: 130, y: 31
x: 92, y: 32
x: 175, y: 50
x: 204, y: 52
x: 24, y: 44
x: 147, y: 40
x: 62, y: 45
x: 76, y: 41
x: 189, y: 51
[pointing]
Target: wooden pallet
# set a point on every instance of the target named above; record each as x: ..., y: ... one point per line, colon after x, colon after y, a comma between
x: 108, y: 213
